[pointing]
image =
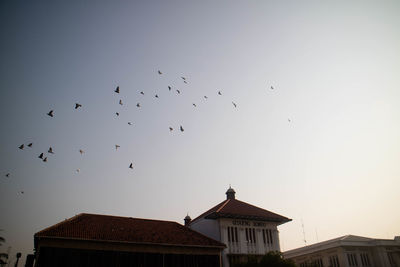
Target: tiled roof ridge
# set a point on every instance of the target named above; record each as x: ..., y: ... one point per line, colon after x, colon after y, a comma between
x: 226, y: 202
x: 59, y: 223
x: 204, y: 214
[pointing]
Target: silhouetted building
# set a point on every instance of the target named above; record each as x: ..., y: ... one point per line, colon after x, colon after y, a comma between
x: 348, y: 251
x: 101, y: 240
x: 244, y: 229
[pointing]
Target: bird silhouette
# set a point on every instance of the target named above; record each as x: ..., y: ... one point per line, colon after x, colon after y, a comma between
x: 234, y: 104
x: 51, y: 113
x: 169, y: 88
x: 117, y: 113
x: 289, y: 120
x: 129, y: 123
x: 171, y: 129
x: 156, y: 96
x: 131, y: 166
x: 77, y: 105
x: 8, y: 175
x: 120, y: 102
x: 41, y: 156
x: 183, y: 78
x: 80, y: 151
x: 22, y: 192
x: 184, y: 81
x: 138, y: 105
x: 117, y: 146
x: 78, y: 170
x: 117, y: 90
x: 159, y: 72
x: 21, y: 146
x: 50, y: 150
x: 219, y: 92
x: 142, y: 92
x: 178, y: 91
x: 45, y: 159
x: 30, y: 144
x: 194, y: 105
x: 181, y: 128
x: 272, y: 88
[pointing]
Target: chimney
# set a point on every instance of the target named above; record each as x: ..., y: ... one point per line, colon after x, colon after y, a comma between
x: 230, y: 193
x: 187, y: 220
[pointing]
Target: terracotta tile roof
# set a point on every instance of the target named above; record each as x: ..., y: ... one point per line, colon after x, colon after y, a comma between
x: 236, y: 209
x: 125, y: 229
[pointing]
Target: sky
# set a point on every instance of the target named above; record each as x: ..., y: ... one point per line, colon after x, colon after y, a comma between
x: 322, y: 147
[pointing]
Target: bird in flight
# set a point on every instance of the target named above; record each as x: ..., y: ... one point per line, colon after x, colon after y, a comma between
x: 234, y: 104
x: 117, y: 146
x: 138, y: 105
x: 289, y: 120
x: 205, y: 97
x: 78, y: 170
x: 129, y: 123
x: 194, y: 105
x: 77, y: 105
x: 51, y: 113
x: 156, y: 96
x: 181, y: 128
x: 131, y: 166
x: 183, y: 78
x: 272, y: 88
x: 159, y: 72
x: 50, y: 150
x: 169, y: 88
x: 80, y: 151
x: 142, y: 93
x: 116, y: 113
x: 184, y: 81
x: 171, y: 129
x: 8, y: 175
x: 45, y: 159
x: 21, y: 146
x: 22, y: 192
x: 117, y: 90
x: 219, y: 92
x: 30, y: 144
x: 41, y: 156
x: 120, y: 102
x: 178, y: 91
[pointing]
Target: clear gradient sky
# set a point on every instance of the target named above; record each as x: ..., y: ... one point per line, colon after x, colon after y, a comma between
x: 335, y: 67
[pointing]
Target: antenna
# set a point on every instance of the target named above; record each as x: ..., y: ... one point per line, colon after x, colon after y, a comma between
x: 304, y: 233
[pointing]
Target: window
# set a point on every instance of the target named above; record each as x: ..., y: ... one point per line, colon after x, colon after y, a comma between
x: 250, y: 235
x: 391, y: 260
x: 365, y: 259
x: 232, y: 234
x: 334, y: 261
x: 352, y: 259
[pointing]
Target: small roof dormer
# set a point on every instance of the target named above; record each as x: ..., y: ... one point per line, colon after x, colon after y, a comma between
x: 230, y: 193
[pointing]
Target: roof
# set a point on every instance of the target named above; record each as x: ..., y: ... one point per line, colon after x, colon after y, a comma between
x: 236, y: 209
x: 347, y: 240
x: 97, y: 227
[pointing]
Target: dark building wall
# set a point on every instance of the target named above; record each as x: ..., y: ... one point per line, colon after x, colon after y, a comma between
x: 67, y: 257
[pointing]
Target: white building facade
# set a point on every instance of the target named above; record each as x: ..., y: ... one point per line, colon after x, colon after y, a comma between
x: 348, y: 251
x: 245, y: 229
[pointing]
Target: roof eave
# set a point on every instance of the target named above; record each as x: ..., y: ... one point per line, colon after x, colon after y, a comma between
x: 216, y: 215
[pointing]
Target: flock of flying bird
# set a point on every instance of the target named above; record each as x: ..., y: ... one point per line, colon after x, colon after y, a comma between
x: 50, y: 151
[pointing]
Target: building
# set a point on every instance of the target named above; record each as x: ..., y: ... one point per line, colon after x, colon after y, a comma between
x: 244, y: 229
x: 91, y: 240
x: 348, y: 251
